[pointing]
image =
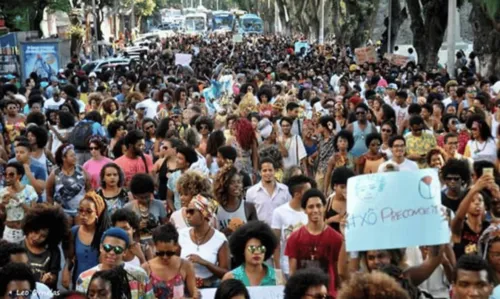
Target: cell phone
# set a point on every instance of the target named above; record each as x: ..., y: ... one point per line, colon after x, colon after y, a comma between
x: 488, y: 171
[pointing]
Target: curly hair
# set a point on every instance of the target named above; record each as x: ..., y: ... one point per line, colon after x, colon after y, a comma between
x: 95, y: 96
x: 204, y: 120
x: 52, y: 218
x: 16, y: 272
x: 372, y: 285
x: 245, y: 134
x: 137, y: 96
x: 41, y: 135
x: 344, y: 134
x: 455, y: 166
x: 165, y: 233
x: 222, y: 182
x: 274, y: 154
x: 252, y: 230
x: 302, y: 280
x: 106, y: 105
x: 231, y: 288
x: 396, y: 273
x: 432, y: 152
x: 193, y: 182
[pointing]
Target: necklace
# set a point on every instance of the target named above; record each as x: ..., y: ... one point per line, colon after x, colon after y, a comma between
x: 477, y: 147
x: 198, y: 241
x: 315, y: 245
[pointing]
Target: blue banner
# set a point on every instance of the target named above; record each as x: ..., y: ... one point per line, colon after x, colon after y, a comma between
x: 41, y: 58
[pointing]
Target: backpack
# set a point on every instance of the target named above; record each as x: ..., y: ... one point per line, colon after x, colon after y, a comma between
x: 80, y: 135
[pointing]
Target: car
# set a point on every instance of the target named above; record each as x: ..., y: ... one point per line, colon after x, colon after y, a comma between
x: 97, y: 66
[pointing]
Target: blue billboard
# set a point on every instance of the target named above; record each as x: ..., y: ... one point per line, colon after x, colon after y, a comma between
x: 41, y: 58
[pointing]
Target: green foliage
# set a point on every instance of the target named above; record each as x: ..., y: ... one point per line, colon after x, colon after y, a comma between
x: 492, y: 7
x: 59, y: 5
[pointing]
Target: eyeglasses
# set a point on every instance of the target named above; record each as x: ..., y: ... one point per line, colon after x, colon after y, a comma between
x: 115, y: 249
x: 387, y: 131
x: 10, y: 174
x: 165, y: 253
x: 20, y: 293
x: 85, y: 211
x: 398, y: 145
x: 254, y: 249
x: 143, y: 196
x: 454, y: 122
x: 93, y: 148
x: 203, y: 127
x: 453, y: 178
x: 320, y: 296
x: 452, y: 143
x: 190, y: 211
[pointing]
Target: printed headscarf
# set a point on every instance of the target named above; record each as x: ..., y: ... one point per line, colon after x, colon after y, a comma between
x: 206, y: 206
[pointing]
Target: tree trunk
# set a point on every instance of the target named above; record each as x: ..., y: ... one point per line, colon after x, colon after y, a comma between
x: 428, y: 28
x: 38, y: 17
x: 398, y: 17
x: 360, y: 13
x: 486, y: 39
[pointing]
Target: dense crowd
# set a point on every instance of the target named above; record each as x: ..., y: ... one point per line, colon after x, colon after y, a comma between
x: 157, y: 180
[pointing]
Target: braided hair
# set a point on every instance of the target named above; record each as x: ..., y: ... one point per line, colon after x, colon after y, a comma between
x: 118, y: 280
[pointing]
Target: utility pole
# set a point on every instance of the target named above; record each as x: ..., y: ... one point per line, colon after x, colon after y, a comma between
x: 452, y: 15
x: 389, y: 29
x: 322, y: 25
x: 132, y: 20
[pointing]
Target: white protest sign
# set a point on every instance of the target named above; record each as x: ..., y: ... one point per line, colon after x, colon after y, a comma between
x: 183, y: 59
x: 271, y: 292
x: 395, y: 210
x: 237, y: 38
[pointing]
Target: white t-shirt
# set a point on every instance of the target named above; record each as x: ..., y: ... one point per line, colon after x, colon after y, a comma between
x: 296, y: 151
x: 401, y: 114
x: 287, y: 220
x: 50, y: 104
x: 407, y: 165
x: 151, y: 107
x: 485, y: 151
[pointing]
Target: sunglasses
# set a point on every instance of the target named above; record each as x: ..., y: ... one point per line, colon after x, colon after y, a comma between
x: 203, y: 127
x: 85, y: 211
x: 453, y: 178
x: 360, y: 112
x: 387, y: 131
x: 165, y: 253
x: 115, y: 249
x: 190, y: 211
x: 254, y: 249
x: 10, y: 174
x: 93, y: 148
x: 454, y: 122
x: 20, y: 293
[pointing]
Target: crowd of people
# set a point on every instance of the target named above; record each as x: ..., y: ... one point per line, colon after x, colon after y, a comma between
x: 158, y: 180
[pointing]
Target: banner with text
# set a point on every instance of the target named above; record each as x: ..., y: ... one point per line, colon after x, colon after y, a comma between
x: 395, y: 210
x: 396, y: 59
x: 366, y: 54
x: 183, y: 59
x: 41, y: 58
x: 272, y: 292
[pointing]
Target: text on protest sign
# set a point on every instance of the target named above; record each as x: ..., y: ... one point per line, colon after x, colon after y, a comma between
x: 183, y: 59
x: 395, y: 210
x: 366, y: 54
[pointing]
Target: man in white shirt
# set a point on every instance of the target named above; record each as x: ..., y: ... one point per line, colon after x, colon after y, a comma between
x: 268, y: 194
x: 451, y: 89
x: 291, y: 145
x: 398, y: 149
x: 289, y: 217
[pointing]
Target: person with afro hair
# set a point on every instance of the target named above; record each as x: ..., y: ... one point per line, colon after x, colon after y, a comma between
x: 251, y: 245
x: 309, y: 282
x: 45, y: 227
x: 373, y: 285
x: 17, y: 281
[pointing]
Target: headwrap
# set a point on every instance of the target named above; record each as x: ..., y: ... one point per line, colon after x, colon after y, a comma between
x: 99, y: 202
x: 67, y: 148
x: 118, y: 233
x: 206, y: 206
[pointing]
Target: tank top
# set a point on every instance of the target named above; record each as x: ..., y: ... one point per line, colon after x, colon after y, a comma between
x: 371, y: 166
x: 494, y: 126
x: 268, y: 280
x: 169, y: 289
x: 224, y: 216
x: 69, y: 190
x: 359, y: 147
x: 86, y: 257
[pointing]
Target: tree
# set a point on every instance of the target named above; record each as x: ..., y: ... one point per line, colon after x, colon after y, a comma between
x: 398, y: 16
x: 485, y: 20
x: 352, y: 20
x: 429, y: 19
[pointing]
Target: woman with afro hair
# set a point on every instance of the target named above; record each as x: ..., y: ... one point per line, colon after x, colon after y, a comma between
x: 233, y: 211
x: 251, y: 245
x: 45, y: 227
